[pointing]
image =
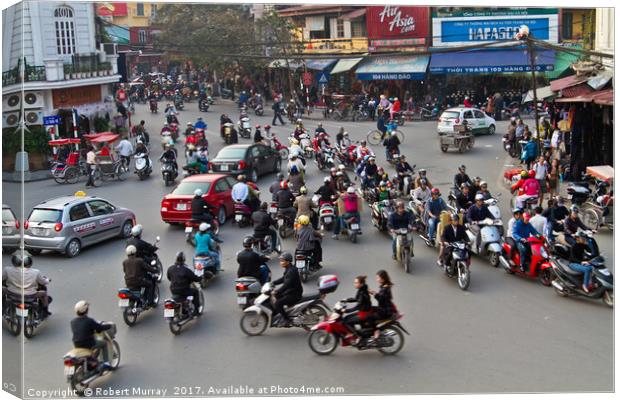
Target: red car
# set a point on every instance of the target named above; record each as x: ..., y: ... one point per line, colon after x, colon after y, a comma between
x: 176, y: 207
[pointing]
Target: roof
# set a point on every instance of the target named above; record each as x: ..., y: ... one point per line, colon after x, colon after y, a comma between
x: 203, y: 178
x: 60, y: 202
x: 569, y: 81
x: 313, y: 10
x: 576, y: 91
x: 603, y: 97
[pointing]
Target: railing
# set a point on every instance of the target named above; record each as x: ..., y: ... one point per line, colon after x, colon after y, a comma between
x: 352, y: 45
x: 32, y: 74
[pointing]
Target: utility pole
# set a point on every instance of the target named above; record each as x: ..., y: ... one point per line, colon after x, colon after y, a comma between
x: 532, y: 54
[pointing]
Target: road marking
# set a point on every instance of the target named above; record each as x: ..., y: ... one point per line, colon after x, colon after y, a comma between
x: 488, y: 145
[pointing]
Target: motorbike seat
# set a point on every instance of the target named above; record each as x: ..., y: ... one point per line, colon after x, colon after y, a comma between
x: 314, y: 296
x: 79, y: 352
x: 565, y: 268
x: 179, y: 298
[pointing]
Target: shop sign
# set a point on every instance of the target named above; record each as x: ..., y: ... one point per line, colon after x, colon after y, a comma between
x: 489, y: 70
x: 51, y: 120
x: 395, y: 22
x: 385, y: 76
x: 307, y: 78
x: 76, y: 96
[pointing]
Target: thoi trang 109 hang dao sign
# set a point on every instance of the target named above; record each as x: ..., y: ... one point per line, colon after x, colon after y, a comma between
x: 390, y: 26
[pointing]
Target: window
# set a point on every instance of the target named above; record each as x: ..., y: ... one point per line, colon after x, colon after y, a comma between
x: 65, y: 30
x: 42, y: 215
x: 358, y: 28
x: 142, y: 36
x: 153, y: 10
x: 567, y: 25
x: 339, y: 28
x: 221, y: 186
x: 468, y: 114
x: 140, y: 9
x: 231, y: 181
x: 78, y: 212
x: 188, y: 188
x: 100, y: 207
x: 254, y: 152
x: 478, y: 114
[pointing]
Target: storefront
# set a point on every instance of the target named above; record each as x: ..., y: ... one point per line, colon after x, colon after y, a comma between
x: 393, y: 76
x: 395, y: 28
x: 87, y: 102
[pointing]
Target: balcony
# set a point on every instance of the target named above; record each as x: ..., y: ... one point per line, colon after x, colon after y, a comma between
x: 336, y: 46
x: 31, y: 74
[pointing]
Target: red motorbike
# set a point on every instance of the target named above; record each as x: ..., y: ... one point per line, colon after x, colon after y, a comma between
x: 347, y: 156
x: 280, y: 148
x: 326, y: 335
x: 538, y: 262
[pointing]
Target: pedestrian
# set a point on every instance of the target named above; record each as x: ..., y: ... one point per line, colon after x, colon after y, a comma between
x: 553, y: 177
x: 91, y: 165
x: 542, y: 174
x: 556, y: 140
x: 277, y: 110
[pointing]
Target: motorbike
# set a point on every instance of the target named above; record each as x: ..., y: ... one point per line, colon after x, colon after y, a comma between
x: 153, y: 106
x: 308, y: 311
x: 203, y: 105
x: 325, y: 158
x: 205, y: 267
x: 420, y: 222
x: 262, y: 244
x: 244, y: 126
x: 259, y: 110
x: 273, y: 209
x: 537, y: 261
x: 248, y: 289
x: 179, y: 310
x: 594, y: 209
x: 327, y: 215
x: 306, y: 144
x: 511, y: 147
x: 133, y: 302
x: 285, y: 224
x: 352, y: 229
x: 153, y: 257
x: 82, y: 366
x: 282, y: 149
x: 191, y: 227
x: 456, y: 263
x: 491, y: 231
x: 305, y: 265
x: 226, y: 93
x: 26, y: 311
x: 144, y: 138
x: 168, y: 172
x: 568, y: 282
x: 210, y: 100
x: 242, y: 214
x: 178, y: 104
x: 399, y: 117
x: 326, y: 335
x: 404, y: 247
x: 380, y: 211
x: 143, y: 165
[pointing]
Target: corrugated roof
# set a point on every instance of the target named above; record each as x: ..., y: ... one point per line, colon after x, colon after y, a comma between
x: 575, y: 91
x: 569, y: 81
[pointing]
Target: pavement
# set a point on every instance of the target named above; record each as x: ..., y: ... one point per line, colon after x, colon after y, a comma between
x: 505, y: 334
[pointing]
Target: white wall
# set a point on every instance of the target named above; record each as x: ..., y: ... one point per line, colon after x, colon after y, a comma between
x: 604, y: 38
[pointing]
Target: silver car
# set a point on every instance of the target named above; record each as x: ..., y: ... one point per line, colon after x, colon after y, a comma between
x: 10, y: 229
x: 69, y: 223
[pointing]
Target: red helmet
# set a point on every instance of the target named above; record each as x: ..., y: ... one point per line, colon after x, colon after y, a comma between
x: 532, y: 173
x: 267, y: 126
x: 257, y: 126
x: 435, y: 191
x: 283, y: 185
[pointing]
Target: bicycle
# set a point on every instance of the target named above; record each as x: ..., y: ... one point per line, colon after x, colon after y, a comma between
x: 375, y: 136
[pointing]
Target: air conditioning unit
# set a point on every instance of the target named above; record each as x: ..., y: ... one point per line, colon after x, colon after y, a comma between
x: 10, y: 119
x: 34, y: 117
x: 33, y: 100
x: 11, y: 102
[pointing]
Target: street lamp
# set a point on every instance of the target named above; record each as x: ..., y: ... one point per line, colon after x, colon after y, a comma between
x: 525, y: 35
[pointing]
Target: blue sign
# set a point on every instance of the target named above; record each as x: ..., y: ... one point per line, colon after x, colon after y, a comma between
x: 389, y: 76
x: 322, y: 78
x: 51, y: 120
x: 487, y: 30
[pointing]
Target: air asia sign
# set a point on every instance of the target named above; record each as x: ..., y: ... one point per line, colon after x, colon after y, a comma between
x: 466, y: 29
x: 394, y: 22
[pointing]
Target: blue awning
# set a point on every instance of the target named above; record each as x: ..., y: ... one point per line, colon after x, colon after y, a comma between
x: 396, y: 67
x: 490, y: 61
x: 320, y: 64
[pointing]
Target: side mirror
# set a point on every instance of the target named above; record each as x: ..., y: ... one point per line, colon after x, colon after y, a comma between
x: 153, y: 263
x: 157, y: 238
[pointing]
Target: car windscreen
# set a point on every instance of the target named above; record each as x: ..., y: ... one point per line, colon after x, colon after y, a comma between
x: 7, y: 216
x: 235, y: 153
x: 450, y: 114
x: 45, y: 215
x: 188, y: 188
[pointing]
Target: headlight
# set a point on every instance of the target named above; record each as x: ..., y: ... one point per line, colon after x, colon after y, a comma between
x: 544, y: 253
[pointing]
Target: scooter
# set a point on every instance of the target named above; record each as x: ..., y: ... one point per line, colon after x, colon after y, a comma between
x: 491, y: 231
x: 179, y: 310
x: 538, y: 265
x: 380, y: 212
x: 568, y: 282
x: 258, y: 110
x: 280, y: 148
x: 242, y: 214
x: 153, y: 106
x: 326, y: 335
x: 353, y: 229
x: 191, y: 227
x: 168, y: 172
x: 133, y: 302
x: 262, y: 244
x: 203, y: 105
x: 285, y: 225
x: 404, y: 248
x: 24, y: 311
x: 248, y: 289
x: 83, y: 366
x: 327, y: 214
x: 244, y: 126
x: 456, y: 263
x: 308, y: 312
x: 205, y: 267
x: 143, y: 166
x: 305, y: 265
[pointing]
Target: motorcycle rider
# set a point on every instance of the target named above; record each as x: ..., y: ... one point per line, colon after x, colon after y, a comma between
x: 201, y: 210
x: 327, y: 192
x: 363, y: 307
x: 349, y: 205
x: 285, y: 201
x: 461, y: 177
x: 399, y: 219
x: 200, y: 124
x: 84, y: 328
x: 454, y: 233
x: 391, y: 144
x: 433, y: 209
x: 465, y: 198
x: 145, y: 250
x: 258, y: 136
x: 303, y: 204
x: 291, y: 290
x: 243, y: 193
x: 476, y: 213
x: 299, y: 129
x: 125, y: 150
x: 363, y: 150
x: 422, y: 194
x: 319, y: 130
x: 251, y: 263
x: 295, y: 165
x: 136, y: 276
x: 275, y: 186
x: 484, y: 191
x: 520, y: 232
x: 189, y: 130
x: 579, y: 260
x: 572, y: 224
x: 309, y: 241
x: 530, y: 189
x: 509, y: 239
x: 385, y: 308
x: 475, y: 188
x: 263, y: 223
x: 422, y: 175
x: 181, y: 277
x: 370, y: 173
x: 169, y: 156
x: 206, y: 244
x: 403, y: 169
x: 22, y: 280
x: 345, y: 142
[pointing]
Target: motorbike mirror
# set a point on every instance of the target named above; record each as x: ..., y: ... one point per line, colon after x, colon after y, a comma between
x: 157, y: 239
x: 153, y: 262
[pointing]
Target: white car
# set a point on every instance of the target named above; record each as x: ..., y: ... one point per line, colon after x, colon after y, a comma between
x: 477, y: 119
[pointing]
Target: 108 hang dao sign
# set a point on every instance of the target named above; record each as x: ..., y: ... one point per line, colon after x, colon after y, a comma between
x: 467, y: 29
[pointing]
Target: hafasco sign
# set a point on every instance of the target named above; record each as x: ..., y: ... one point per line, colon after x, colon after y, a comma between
x: 393, y: 22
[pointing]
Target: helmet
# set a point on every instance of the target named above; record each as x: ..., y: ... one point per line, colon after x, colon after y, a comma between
x: 299, y: 121
x: 280, y: 176
x: 483, y: 183
x: 524, y: 174
x: 283, y: 185
x: 304, y: 220
x: 180, y: 257
x: 479, y: 196
x: 400, y: 203
x: 532, y: 173
x: 189, y: 124
x: 366, y: 157
x: 286, y: 256
x: 371, y: 158
x: 267, y: 126
x: 320, y: 125
x: 81, y: 307
x: 327, y: 179
x: 395, y: 98
x: 257, y: 126
x: 248, y: 241
x: 454, y: 217
x: 191, y: 147
x: 464, y: 185
x: 241, y: 178
x: 402, y: 156
x: 131, y: 250
x: 517, y: 211
x: 477, y: 179
x: 581, y: 234
x: 136, y: 230
x: 167, y: 146
x: 339, y: 173
x: 303, y: 190
x: 332, y: 169
x: 363, y: 143
x: 574, y: 208
x: 341, y: 167
x: 345, y: 134
x: 421, y: 172
x: 462, y: 167
x: 204, y: 227
x: 393, y: 133
x: 18, y: 259
x: 436, y: 191
x: 383, y: 183
x: 350, y: 189
x: 198, y: 192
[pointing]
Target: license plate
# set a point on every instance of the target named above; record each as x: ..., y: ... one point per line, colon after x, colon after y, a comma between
x: 199, y: 272
x: 188, y: 229
x: 355, y: 227
x: 123, y: 303
x: 6, y: 230
x: 223, y: 167
x: 273, y: 210
x: 242, y: 300
x: 328, y: 220
x: 39, y: 231
x: 238, y: 217
x: 21, y: 312
x: 168, y: 312
x: 181, y: 207
x: 69, y: 370
x: 300, y: 264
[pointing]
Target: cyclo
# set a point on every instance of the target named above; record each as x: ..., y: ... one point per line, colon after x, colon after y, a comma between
x: 107, y: 166
x: 69, y: 170
x: 462, y: 139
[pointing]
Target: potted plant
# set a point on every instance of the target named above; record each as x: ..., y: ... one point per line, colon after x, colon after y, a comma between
x: 67, y: 70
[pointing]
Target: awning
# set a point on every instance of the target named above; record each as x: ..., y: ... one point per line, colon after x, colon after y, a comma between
x: 541, y: 93
x: 345, y: 65
x: 490, y: 61
x: 354, y: 14
x: 293, y: 64
x: 64, y: 141
x: 563, y: 61
x: 569, y: 81
x: 320, y: 64
x: 576, y: 91
x: 102, y: 137
x: 603, y: 97
x: 397, y: 67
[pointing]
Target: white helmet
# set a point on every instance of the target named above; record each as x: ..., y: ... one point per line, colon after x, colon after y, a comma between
x: 204, y: 227
x: 136, y: 230
x: 341, y: 167
x: 81, y: 307
x: 350, y: 189
x: 131, y: 250
x: 198, y: 192
x: 327, y: 179
x: 479, y: 196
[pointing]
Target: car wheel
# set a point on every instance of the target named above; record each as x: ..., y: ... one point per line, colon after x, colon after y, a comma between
x: 73, y: 248
x: 492, y: 130
x: 126, y: 229
x: 221, y: 215
x: 254, y: 176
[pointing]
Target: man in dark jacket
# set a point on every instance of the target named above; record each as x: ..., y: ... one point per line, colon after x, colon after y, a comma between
x: 144, y: 249
x: 84, y: 328
x: 291, y: 290
x: 399, y: 219
x: 181, y: 277
x: 251, y: 263
x: 476, y: 213
x: 135, y: 270
x: 465, y: 198
x: 453, y: 233
x: 286, y: 199
x: 275, y: 186
x: 461, y: 178
x: 572, y: 224
x: 263, y: 223
x: 391, y: 144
